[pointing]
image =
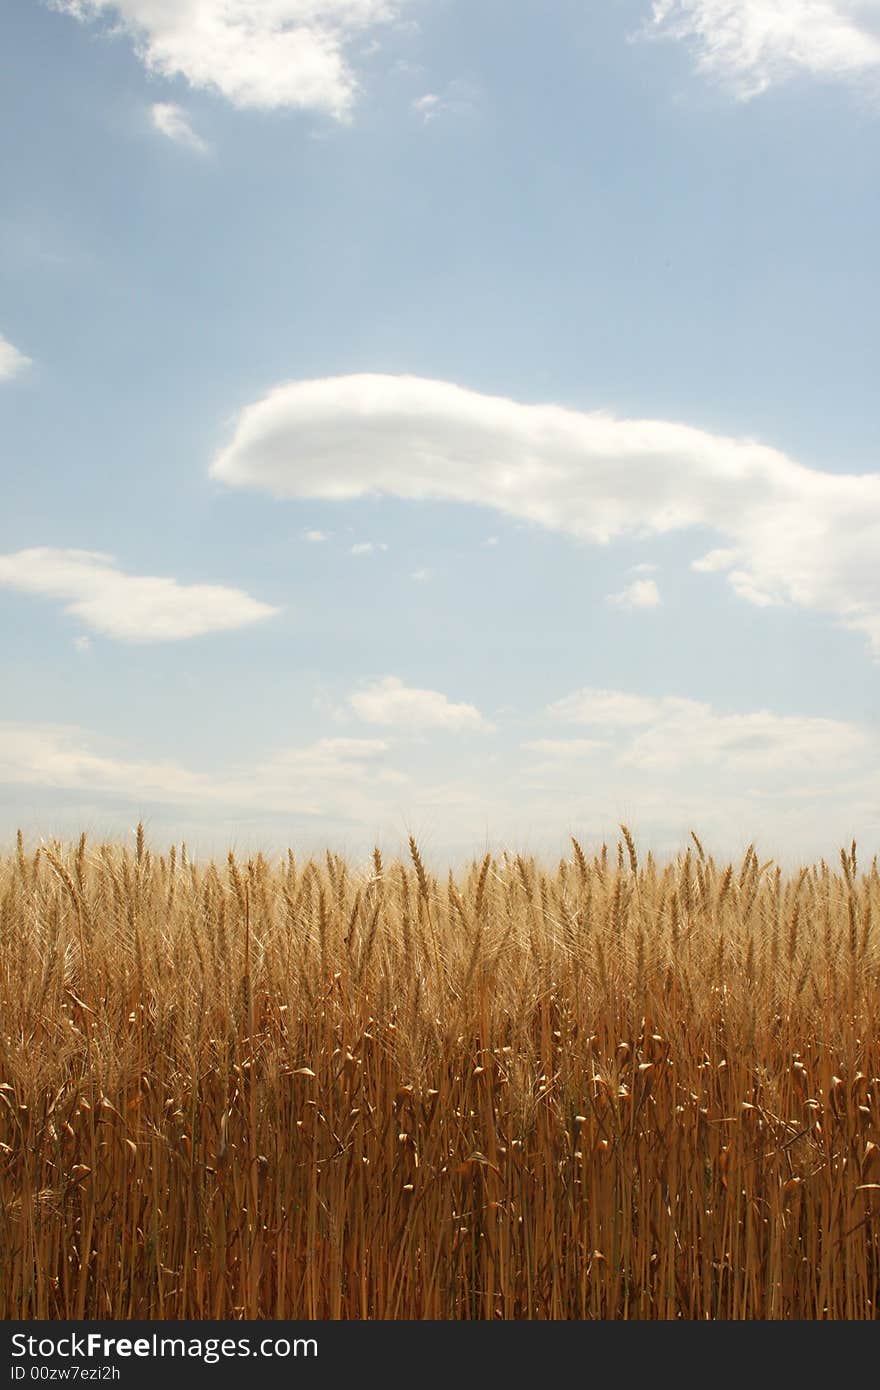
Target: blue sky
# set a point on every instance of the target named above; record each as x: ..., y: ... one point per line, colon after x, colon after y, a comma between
x: 445, y: 417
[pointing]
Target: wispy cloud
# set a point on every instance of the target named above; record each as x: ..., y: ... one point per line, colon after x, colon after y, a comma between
x: 457, y: 98
x: 753, y: 44
x: 792, y: 534
x: 315, y: 537
x: 173, y: 122
x: 368, y: 548
x: 641, y: 593
x: 131, y: 608
x: 389, y: 701
x: 427, y: 106
x: 12, y: 362
x: 268, y: 54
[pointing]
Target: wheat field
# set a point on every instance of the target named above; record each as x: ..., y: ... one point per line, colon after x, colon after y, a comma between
x: 600, y: 1089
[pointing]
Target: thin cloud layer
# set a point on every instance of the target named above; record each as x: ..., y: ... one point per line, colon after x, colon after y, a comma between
x: 671, y: 732
x: 566, y: 748
x: 173, y: 122
x: 389, y: 701
x: 12, y: 362
x: 331, y: 774
x: 62, y: 758
x: 268, y: 54
x: 799, y: 785
x: 791, y: 534
x: 754, y: 44
x: 131, y: 608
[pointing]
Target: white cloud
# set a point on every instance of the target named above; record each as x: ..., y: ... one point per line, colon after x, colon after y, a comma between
x: 641, y: 593
x: 172, y: 121
x: 422, y: 576
x: 313, y: 780
x: 672, y: 732
x: 745, y: 586
x: 793, y: 534
x: 63, y: 758
x: 315, y: 537
x: 368, y: 548
x: 714, y: 561
x: 11, y: 360
x: 389, y: 701
x: 132, y: 608
x: 267, y: 54
x: 82, y: 644
x: 614, y: 709
x: 753, y: 44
